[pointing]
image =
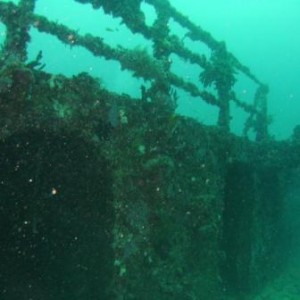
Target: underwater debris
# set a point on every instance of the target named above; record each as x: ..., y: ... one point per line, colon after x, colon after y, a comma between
x: 147, y: 195
x: 218, y: 71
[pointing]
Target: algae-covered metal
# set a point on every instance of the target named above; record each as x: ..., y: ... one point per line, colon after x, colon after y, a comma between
x: 107, y: 197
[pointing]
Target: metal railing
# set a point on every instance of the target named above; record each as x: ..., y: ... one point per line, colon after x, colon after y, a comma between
x: 218, y: 71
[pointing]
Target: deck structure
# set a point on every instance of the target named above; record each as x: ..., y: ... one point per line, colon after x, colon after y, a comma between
x: 108, y: 197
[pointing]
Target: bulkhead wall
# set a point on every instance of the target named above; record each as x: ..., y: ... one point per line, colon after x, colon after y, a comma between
x: 55, y: 218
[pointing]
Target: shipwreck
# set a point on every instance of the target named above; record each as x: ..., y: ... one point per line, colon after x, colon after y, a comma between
x: 103, y: 196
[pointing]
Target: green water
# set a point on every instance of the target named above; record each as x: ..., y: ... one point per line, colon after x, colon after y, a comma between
x: 263, y: 35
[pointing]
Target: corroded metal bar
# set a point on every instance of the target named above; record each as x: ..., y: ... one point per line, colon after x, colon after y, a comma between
x: 138, y: 61
x: 197, y: 33
x: 17, y: 20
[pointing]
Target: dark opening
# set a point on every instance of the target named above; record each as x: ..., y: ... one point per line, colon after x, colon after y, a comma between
x: 238, y: 205
x: 292, y: 220
x: 253, y: 229
x: 55, y: 219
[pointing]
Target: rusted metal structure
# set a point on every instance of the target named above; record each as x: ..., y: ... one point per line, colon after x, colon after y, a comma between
x: 218, y: 71
x: 107, y: 198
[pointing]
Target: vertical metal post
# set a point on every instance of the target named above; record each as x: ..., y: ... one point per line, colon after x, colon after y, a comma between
x: 261, y: 104
x: 224, y: 112
x: 161, y: 91
x: 224, y: 80
x: 17, y: 23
